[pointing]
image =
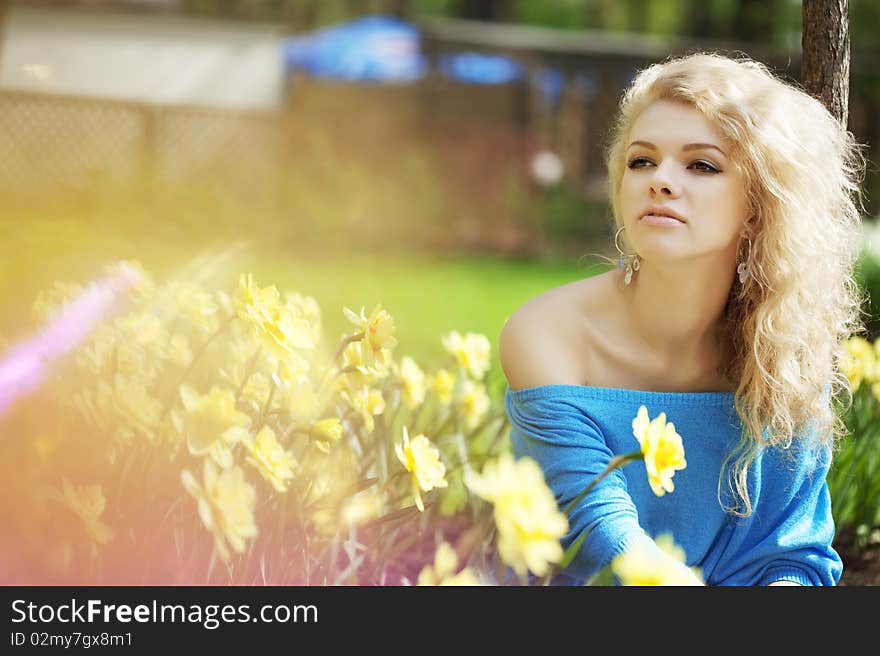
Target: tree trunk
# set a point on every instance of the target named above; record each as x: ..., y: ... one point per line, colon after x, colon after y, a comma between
x: 825, y: 63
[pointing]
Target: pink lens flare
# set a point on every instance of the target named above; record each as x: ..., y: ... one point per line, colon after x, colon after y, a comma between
x: 22, y: 371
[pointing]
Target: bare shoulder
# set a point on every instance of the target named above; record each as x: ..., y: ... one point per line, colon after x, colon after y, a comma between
x: 543, y: 341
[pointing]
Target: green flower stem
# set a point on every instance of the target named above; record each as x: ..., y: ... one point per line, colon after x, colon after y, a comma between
x: 414, y: 416
x: 615, y: 463
x: 384, y: 459
x: 345, y: 342
x: 268, y: 398
x: 204, y: 347
x: 401, y: 546
x: 449, y: 419
x: 248, y: 373
x: 475, y: 463
x: 427, y: 418
x: 333, y: 499
x: 409, y: 512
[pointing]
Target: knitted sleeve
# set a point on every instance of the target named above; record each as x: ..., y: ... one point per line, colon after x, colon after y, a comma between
x: 572, y: 452
x: 789, y: 534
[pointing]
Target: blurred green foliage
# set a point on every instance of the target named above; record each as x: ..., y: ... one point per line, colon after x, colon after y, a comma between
x: 854, y: 477
x: 774, y: 21
x: 868, y: 277
x: 569, y: 218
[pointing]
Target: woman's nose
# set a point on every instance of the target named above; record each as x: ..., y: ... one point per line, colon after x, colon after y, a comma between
x: 663, y: 182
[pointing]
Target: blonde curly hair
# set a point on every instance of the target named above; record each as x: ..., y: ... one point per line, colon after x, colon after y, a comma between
x: 783, y: 330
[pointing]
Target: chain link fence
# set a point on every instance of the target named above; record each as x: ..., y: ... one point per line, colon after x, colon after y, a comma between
x: 51, y: 144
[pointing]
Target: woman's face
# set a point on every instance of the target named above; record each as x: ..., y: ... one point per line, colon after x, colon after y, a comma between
x: 677, y: 161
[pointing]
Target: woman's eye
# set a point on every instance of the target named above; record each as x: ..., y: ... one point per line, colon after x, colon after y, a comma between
x: 705, y: 166
x: 640, y: 162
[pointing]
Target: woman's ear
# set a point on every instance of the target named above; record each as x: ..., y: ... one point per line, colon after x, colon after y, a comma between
x: 749, y: 228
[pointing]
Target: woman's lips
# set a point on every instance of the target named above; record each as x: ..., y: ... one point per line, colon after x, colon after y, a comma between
x: 658, y: 220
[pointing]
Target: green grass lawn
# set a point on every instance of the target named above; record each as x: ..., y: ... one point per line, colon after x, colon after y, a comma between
x: 428, y: 295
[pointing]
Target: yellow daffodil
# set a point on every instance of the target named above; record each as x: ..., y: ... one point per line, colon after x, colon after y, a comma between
x: 441, y: 572
x: 253, y: 301
x: 642, y: 564
x: 366, y: 401
x: 288, y: 370
x: 257, y: 390
x: 412, y: 383
x: 285, y: 333
x: 465, y: 577
x: 470, y: 350
x: 87, y: 502
x: 272, y: 321
x: 142, y: 345
x: 330, y: 482
x: 143, y: 287
x: 140, y: 412
x: 198, y: 307
x: 325, y: 432
x: 662, y: 449
x: 302, y: 401
x: 49, y: 303
x: 125, y: 408
x: 97, y: 405
x: 859, y: 361
x: 96, y: 355
x: 443, y: 384
x: 422, y: 459
x: 526, y: 515
x: 361, y: 508
x: 270, y: 458
x: 353, y: 358
x: 244, y: 354
x: 212, y: 424
x: 305, y: 308
x: 179, y: 350
x: 378, y: 335
x: 473, y: 402
x: 226, y: 506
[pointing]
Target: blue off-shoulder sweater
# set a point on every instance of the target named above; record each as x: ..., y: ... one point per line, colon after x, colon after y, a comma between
x: 573, y: 431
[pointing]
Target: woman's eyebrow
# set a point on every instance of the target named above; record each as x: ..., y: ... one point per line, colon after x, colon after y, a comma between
x: 690, y: 146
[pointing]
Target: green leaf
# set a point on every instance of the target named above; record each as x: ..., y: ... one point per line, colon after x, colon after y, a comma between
x: 604, y: 577
x: 615, y: 463
x: 572, y: 550
x: 403, y: 513
x: 350, y: 491
x: 454, y: 496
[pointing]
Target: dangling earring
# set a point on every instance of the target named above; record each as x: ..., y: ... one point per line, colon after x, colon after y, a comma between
x: 631, y: 265
x: 743, y: 268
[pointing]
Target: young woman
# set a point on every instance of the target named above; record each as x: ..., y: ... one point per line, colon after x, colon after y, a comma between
x: 737, y: 195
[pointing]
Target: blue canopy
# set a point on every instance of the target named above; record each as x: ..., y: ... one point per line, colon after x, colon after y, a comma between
x: 386, y: 49
x: 478, y: 68
x: 370, y: 49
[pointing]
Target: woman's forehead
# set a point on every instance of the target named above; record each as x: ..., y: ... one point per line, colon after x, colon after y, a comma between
x: 668, y: 121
